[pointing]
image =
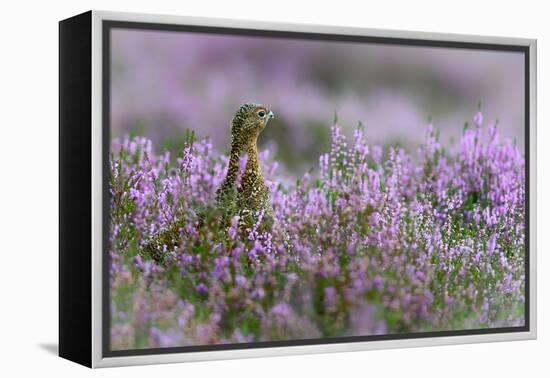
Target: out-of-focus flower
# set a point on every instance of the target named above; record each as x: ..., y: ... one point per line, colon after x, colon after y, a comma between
x: 478, y: 119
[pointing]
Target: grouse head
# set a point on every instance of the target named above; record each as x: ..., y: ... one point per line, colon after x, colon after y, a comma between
x: 247, y: 124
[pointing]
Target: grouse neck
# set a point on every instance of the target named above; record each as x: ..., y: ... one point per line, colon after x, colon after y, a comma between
x: 233, y: 168
x: 253, y: 162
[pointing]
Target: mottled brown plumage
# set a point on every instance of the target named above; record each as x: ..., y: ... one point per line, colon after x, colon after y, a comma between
x: 247, y: 200
x: 252, y: 197
x: 164, y: 240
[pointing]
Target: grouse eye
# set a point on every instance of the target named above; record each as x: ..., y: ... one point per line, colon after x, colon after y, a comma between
x: 261, y: 114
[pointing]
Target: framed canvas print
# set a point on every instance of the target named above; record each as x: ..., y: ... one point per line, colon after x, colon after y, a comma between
x: 234, y: 189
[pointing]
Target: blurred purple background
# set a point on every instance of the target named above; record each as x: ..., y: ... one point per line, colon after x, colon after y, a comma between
x: 165, y: 82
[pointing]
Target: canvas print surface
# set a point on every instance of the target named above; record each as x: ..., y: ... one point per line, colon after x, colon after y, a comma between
x: 272, y: 189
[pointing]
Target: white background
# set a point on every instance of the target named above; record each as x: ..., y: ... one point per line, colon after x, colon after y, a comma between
x: 29, y: 189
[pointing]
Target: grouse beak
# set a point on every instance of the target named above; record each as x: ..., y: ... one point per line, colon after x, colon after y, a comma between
x: 270, y: 115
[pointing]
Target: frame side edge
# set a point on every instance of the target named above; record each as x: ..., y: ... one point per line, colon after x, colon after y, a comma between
x: 74, y: 189
x: 533, y: 200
